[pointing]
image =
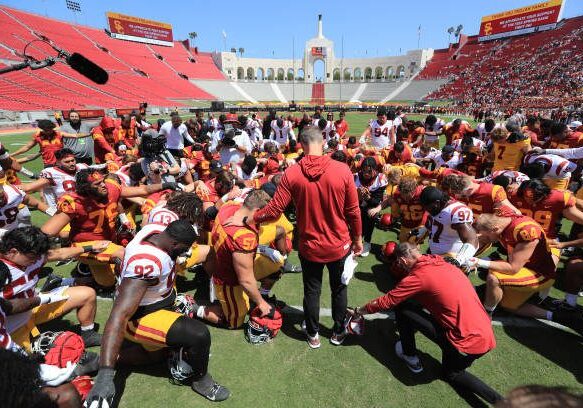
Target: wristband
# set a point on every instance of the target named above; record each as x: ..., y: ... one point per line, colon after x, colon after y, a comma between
x: 87, y: 248
x: 483, y: 263
x: 51, y: 211
x: 44, y: 298
x: 466, y: 252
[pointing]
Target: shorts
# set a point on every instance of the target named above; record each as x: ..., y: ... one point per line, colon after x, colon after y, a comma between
x: 40, y: 314
x: 234, y: 303
x: 101, y: 269
x: 518, y: 288
x: 150, y: 331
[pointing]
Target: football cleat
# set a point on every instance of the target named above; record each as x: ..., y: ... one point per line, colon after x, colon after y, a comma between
x: 180, y: 370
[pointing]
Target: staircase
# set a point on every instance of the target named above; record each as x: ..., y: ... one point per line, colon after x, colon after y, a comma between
x: 318, y: 96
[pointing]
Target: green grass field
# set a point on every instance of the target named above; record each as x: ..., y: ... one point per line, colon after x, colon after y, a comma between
x: 364, y: 372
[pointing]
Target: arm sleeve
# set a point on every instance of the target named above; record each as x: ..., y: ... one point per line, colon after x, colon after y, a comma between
x: 352, y: 208
x: 408, y: 287
x: 576, y: 153
x: 278, y: 204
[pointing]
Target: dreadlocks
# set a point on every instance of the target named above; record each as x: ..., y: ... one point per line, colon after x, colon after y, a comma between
x: 186, y: 205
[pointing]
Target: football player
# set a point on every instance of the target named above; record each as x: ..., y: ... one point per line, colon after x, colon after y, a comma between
x: 529, y: 270
x: 405, y: 202
x: 557, y: 170
x: 381, y: 131
x: 92, y: 211
x: 25, y: 251
x: 142, y: 313
x: 449, y: 225
x: 281, y: 131
x: 508, y: 149
x: 433, y: 129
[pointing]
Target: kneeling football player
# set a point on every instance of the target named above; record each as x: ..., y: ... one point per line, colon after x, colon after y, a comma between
x: 143, y: 314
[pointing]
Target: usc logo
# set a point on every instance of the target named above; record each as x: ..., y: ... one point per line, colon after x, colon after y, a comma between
x: 118, y: 26
x: 488, y: 29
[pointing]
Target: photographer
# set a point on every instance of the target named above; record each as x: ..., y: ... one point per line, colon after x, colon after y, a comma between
x: 231, y: 143
x: 158, y: 164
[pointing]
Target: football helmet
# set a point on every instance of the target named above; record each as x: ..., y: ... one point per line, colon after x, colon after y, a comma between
x: 83, y: 385
x: 185, y: 304
x: 260, y: 330
x: 180, y: 370
x: 354, y: 324
x: 42, y: 343
x: 389, y: 249
x: 384, y: 221
x: 67, y: 347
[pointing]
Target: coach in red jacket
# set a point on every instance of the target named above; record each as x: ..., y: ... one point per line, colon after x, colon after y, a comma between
x: 329, y: 226
x: 457, y: 322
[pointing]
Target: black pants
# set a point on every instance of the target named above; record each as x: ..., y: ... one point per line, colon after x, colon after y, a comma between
x: 409, y: 318
x: 195, y: 337
x: 312, y: 276
x: 368, y: 224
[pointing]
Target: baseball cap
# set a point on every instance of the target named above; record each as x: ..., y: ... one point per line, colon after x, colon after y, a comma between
x: 215, y: 166
x: 232, y: 118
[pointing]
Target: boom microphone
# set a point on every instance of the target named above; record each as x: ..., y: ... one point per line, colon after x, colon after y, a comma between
x: 87, y: 68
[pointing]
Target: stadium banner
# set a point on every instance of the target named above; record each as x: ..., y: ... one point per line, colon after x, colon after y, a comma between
x: 125, y: 111
x: 139, y: 29
x: 524, y: 20
x: 85, y: 113
x: 318, y: 51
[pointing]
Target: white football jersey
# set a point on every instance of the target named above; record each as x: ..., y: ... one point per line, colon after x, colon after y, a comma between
x: 380, y: 181
x: 160, y: 215
x: 514, y: 176
x: 329, y: 131
x: 9, y: 213
x: 282, y: 134
x: 5, y: 340
x: 555, y: 166
x: 22, y: 286
x: 443, y: 239
x: 484, y: 135
x: 380, y: 135
x: 452, y: 163
x: 417, y: 154
x: 436, y: 128
x: 147, y: 262
x: 477, y: 144
x: 61, y: 182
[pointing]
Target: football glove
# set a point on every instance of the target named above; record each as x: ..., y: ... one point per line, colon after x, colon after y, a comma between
x: 271, y: 253
x: 103, y: 391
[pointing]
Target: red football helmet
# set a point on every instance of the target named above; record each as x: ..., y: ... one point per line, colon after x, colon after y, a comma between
x: 389, y: 249
x: 385, y: 221
x: 261, y: 330
x: 83, y: 385
x: 66, y: 347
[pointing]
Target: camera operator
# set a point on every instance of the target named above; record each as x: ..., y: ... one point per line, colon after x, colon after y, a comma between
x: 158, y: 164
x: 232, y: 143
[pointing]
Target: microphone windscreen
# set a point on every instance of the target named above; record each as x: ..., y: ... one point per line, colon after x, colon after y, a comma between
x: 88, y: 68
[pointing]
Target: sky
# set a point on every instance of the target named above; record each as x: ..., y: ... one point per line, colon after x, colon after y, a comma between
x: 266, y: 29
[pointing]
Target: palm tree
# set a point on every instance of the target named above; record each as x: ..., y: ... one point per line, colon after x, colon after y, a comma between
x: 241, y: 51
x: 192, y: 36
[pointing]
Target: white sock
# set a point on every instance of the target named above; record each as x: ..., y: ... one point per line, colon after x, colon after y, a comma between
x: 571, y: 299
x: 200, y: 312
x: 549, y: 315
x: 68, y: 282
x: 490, y: 308
x: 88, y: 327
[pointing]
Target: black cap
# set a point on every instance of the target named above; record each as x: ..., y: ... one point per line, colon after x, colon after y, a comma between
x: 182, y: 231
x: 430, y: 194
x: 269, y: 188
x: 215, y: 166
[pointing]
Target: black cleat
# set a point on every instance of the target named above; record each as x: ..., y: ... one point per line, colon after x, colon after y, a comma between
x: 91, y: 338
x: 211, y: 390
x: 52, y: 282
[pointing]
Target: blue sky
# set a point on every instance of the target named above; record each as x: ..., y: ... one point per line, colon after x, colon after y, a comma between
x: 266, y: 29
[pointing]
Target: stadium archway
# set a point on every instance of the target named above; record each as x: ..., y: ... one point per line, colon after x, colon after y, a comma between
x: 300, y: 76
x: 290, y: 74
x: 270, y: 74
x: 240, y: 73
x: 378, y: 73
x: 347, y: 74
x: 367, y: 74
x: 336, y: 75
x: 357, y: 74
x: 400, y: 71
x: 280, y: 74
x: 260, y: 74
x: 250, y: 74
x: 319, y: 70
x: 390, y: 73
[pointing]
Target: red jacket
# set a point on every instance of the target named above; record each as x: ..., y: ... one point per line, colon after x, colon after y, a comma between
x: 451, y: 299
x: 326, y: 202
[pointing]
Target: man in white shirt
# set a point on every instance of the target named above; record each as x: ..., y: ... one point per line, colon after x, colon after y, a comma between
x: 231, y: 143
x: 175, y: 132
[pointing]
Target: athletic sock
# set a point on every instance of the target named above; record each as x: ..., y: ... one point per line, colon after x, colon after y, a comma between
x: 490, y: 309
x: 571, y: 299
x: 200, y: 312
x: 88, y: 327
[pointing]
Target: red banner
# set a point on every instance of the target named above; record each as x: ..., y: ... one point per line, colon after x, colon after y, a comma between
x: 139, y: 29
x: 319, y: 51
x: 126, y: 111
x: 537, y: 17
x: 86, y: 113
